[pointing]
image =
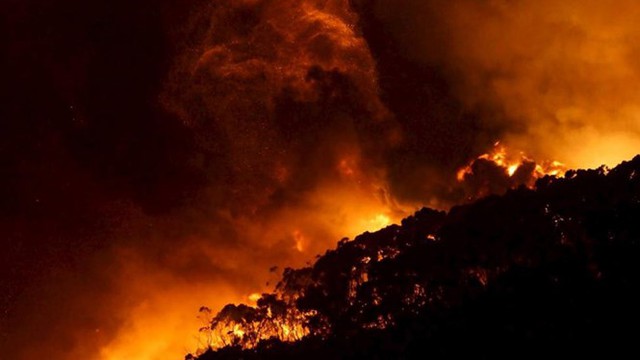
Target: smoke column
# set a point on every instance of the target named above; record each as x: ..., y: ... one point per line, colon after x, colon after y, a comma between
x: 161, y: 156
x: 559, y: 78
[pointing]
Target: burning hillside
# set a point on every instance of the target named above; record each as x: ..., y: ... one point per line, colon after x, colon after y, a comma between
x: 160, y: 155
x: 520, y: 274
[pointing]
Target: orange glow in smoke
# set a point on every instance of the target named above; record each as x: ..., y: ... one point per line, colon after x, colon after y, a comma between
x: 354, y: 197
x: 162, y: 325
x: 501, y: 157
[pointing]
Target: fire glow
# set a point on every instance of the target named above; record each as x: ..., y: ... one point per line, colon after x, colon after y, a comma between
x: 511, y: 164
x: 238, y: 77
x: 297, y: 123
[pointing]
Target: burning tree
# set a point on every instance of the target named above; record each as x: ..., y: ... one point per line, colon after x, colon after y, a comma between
x: 245, y: 326
x: 556, y: 262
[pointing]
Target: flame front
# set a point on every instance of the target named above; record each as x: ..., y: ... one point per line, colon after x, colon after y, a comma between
x: 499, y: 170
x: 510, y: 164
x: 161, y: 155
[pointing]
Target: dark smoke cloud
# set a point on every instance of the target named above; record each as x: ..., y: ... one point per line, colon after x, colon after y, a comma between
x: 159, y: 156
x: 121, y: 219
x: 279, y: 92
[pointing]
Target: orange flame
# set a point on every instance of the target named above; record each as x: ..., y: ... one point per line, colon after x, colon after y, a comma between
x: 501, y: 157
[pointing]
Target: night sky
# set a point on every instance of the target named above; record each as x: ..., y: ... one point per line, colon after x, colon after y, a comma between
x: 156, y: 156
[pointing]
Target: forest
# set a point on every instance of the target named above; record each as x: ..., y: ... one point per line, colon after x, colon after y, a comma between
x: 534, y: 272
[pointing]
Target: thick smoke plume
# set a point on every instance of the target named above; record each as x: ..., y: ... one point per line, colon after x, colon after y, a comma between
x: 163, y: 155
x: 559, y: 77
x: 283, y: 99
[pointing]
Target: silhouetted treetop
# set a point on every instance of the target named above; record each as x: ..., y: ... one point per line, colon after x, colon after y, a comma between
x: 556, y: 267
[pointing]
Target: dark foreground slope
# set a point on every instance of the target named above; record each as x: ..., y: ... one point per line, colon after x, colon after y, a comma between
x: 540, y: 273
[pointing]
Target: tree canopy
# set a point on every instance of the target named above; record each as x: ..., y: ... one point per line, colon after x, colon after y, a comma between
x: 522, y: 274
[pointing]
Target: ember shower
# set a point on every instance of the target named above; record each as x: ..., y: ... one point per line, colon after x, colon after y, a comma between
x: 164, y: 155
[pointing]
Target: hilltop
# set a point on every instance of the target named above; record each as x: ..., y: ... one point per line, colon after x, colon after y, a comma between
x: 554, y: 269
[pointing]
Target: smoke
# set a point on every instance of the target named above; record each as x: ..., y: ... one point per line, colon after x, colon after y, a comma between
x: 290, y: 135
x: 184, y: 156
x: 283, y: 98
x: 558, y: 77
x: 280, y: 92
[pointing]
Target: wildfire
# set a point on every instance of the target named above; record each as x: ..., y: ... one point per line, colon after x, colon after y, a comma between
x: 271, y: 317
x: 514, y: 165
x: 253, y: 298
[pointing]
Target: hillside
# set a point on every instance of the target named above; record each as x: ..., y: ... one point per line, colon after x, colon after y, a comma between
x: 554, y: 270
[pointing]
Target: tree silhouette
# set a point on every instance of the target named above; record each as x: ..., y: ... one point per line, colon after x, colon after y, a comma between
x: 518, y: 275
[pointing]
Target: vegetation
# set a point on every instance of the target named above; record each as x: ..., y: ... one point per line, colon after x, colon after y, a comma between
x: 550, y: 271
